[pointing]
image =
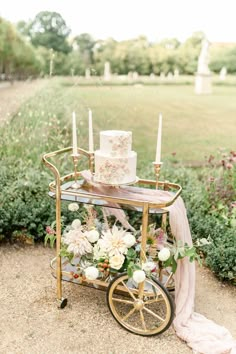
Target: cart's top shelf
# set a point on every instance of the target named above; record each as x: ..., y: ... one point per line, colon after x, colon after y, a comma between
x: 123, y: 197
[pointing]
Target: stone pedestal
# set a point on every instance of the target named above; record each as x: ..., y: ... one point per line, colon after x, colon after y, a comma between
x: 203, y: 84
x: 107, y: 71
x: 87, y: 74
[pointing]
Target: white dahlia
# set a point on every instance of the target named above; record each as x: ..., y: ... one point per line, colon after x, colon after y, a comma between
x: 77, y: 242
x: 112, y: 241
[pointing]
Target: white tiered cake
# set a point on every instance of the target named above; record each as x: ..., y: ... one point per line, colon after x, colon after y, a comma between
x: 115, y: 163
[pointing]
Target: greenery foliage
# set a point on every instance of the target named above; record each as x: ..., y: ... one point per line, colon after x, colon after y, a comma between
x: 210, y: 196
x: 18, y: 58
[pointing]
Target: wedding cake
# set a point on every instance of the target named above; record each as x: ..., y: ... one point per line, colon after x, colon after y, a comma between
x: 115, y: 163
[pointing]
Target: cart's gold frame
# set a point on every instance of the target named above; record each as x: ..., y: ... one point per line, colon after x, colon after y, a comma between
x: 58, y: 192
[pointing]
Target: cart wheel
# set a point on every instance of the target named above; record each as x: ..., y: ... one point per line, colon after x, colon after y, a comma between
x: 147, y: 316
x: 62, y: 303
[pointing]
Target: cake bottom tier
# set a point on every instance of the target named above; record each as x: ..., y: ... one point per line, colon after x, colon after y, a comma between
x: 115, y: 170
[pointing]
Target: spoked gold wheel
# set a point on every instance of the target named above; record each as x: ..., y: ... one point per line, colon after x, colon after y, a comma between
x: 146, y: 315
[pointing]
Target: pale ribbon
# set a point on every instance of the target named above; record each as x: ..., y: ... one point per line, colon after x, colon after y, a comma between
x: 202, y: 335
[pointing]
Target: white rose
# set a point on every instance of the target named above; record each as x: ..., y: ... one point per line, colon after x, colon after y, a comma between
x: 73, y: 207
x: 149, y: 266
x: 139, y: 276
x: 129, y: 240
x: 76, y: 224
x: 117, y: 261
x: 92, y: 235
x: 164, y: 254
x: 91, y: 273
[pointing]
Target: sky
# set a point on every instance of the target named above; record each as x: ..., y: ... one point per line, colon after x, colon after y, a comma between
x: 127, y: 19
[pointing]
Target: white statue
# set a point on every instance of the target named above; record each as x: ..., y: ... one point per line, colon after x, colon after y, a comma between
x: 223, y: 73
x: 203, y: 59
x: 203, y: 75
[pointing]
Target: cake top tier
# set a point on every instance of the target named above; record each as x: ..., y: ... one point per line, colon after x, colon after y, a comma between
x: 115, y: 142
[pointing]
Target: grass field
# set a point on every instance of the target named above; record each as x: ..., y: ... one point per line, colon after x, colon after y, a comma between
x: 193, y: 126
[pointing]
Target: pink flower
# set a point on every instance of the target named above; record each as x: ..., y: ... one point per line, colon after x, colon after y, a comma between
x: 211, y: 179
x: 229, y: 166
x: 160, y: 239
x: 50, y: 230
x: 233, y: 153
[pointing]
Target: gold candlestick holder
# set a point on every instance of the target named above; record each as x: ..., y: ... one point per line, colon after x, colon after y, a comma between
x: 75, y: 158
x: 91, y: 162
x: 157, y: 169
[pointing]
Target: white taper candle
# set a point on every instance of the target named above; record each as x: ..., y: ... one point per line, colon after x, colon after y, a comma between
x: 91, y: 148
x: 159, y: 134
x: 74, y: 134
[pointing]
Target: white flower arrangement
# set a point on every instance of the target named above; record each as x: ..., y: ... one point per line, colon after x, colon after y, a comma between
x: 99, y: 251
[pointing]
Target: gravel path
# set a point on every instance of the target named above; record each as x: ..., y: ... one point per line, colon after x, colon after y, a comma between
x: 32, y: 324
x: 12, y: 96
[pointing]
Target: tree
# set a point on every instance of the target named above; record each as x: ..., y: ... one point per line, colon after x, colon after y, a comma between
x: 23, y: 28
x: 49, y: 30
x: 223, y: 57
x: 188, y: 52
x: 84, y: 43
x: 17, y: 57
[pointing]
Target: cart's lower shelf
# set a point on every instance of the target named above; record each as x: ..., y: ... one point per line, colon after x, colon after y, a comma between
x: 69, y: 270
x: 145, y: 309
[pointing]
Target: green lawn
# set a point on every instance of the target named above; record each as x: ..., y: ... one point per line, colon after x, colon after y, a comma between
x: 193, y: 126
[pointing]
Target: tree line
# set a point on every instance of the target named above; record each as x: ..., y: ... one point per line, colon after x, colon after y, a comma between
x: 43, y: 46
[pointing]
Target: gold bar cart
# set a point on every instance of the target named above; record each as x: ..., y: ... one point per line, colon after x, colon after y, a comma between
x: 146, y: 308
